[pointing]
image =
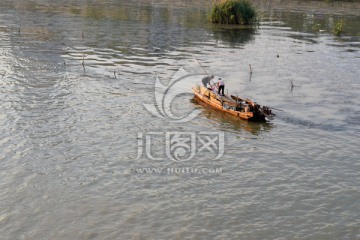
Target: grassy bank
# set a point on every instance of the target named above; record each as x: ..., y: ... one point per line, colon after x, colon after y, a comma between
x: 232, y: 12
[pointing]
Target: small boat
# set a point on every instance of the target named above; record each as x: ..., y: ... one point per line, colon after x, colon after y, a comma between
x: 234, y: 105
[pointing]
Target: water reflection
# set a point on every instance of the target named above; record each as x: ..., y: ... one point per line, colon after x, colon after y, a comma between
x: 164, y: 22
x: 234, y: 35
x: 315, y: 22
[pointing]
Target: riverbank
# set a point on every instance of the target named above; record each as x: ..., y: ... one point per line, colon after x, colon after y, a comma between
x: 325, y: 7
x: 321, y: 7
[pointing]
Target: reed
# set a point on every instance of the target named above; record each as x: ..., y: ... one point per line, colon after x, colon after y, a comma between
x: 232, y: 12
x: 338, y: 28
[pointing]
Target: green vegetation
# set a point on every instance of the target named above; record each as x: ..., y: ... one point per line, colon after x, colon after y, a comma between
x: 316, y: 27
x: 338, y: 28
x: 75, y: 10
x: 232, y: 12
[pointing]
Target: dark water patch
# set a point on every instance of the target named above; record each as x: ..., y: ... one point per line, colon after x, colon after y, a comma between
x: 352, y: 50
x: 352, y: 115
x: 325, y: 125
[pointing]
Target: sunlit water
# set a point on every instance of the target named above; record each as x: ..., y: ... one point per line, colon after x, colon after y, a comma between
x: 75, y: 76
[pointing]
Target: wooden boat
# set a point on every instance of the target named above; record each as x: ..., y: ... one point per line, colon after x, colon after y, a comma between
x: 234, y: 105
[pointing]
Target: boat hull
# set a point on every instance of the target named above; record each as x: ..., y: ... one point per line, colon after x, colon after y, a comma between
x: 212, y: 99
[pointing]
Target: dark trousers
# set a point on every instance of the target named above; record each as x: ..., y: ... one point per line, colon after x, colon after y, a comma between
x: 221, y: 88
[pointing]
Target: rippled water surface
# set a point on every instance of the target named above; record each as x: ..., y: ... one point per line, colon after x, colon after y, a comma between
x: 74, y: 78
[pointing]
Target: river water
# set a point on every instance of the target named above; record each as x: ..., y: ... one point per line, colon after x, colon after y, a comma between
x: 74, y: 78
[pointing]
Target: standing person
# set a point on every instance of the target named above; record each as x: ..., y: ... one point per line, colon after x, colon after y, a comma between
x: 221, y: 86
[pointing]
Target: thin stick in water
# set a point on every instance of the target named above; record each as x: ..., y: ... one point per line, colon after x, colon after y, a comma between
x: 83, y: 61
x: 292, y: 85
x: 250, y: 72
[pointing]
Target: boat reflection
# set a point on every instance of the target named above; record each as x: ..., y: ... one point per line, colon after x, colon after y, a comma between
x: 230, y: 122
